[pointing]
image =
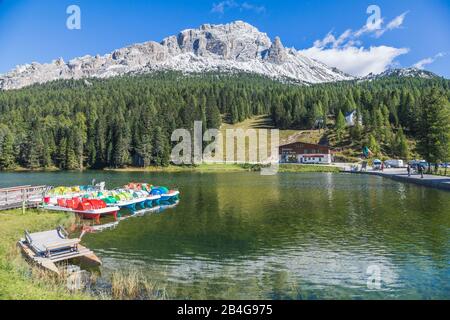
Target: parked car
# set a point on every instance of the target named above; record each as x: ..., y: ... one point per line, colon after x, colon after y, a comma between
x: 376, y: 164
x: 394, y: 163
x: 415, y: 164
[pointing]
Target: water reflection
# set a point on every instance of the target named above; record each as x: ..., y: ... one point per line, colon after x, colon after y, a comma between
x: 294, y: 236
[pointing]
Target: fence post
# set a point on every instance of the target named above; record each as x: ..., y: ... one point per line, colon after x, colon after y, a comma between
x: 23, y: 201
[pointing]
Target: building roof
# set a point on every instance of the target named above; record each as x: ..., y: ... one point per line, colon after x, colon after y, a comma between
x: 349, y: 113
x: 305, y: 144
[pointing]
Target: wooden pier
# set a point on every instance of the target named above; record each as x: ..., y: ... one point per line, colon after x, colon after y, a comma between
x: 21, y: 196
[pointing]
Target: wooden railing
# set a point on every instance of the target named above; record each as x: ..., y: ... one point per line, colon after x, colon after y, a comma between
x: 21, y: 196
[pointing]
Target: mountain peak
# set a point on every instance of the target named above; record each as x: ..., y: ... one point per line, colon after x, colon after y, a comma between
x: 277, y: 53
x: 233, y: 47
x: 234, y: 25
x: 403, y: 73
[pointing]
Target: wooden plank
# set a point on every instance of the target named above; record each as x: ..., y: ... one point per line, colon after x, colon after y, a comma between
x: 92, y: 259
x: 63, y: 244
x: 73, y: 255
x: 50, y: 263
x: 42, y: 262
x: 16, y: 197
x: 14, y: 188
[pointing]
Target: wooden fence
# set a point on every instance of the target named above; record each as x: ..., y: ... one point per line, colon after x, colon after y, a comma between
x: 21, y: 196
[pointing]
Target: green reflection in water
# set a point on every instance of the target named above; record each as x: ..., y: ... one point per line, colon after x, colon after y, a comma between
x: 289, y: 236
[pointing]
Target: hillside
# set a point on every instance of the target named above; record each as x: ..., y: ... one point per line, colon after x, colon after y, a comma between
x: 346, y: 149
x: 128, y: 120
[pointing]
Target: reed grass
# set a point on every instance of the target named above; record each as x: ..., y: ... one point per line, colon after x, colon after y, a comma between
x: 133, y: 285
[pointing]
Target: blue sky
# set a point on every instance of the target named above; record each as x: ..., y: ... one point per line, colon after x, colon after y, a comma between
x: 412, y: 32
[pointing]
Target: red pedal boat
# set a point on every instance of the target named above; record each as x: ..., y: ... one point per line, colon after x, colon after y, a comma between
x: 86, y: 208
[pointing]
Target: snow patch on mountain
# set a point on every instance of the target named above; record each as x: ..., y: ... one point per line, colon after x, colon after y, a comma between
x: 402, y: 73
x: 232, y: 47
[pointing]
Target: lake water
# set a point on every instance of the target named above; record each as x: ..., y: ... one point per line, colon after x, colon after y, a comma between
x: 289, y: 236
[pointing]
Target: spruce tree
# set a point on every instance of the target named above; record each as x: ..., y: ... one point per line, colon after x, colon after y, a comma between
x: 340, y: 125
x: 7, y: 158
x: 434, y: 128
x: 161, y: 149
x: 401, y: 145
x: 373, y: 145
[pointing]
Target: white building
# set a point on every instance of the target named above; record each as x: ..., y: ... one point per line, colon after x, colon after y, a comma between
x: 300, y: 152
x: 352, y: 117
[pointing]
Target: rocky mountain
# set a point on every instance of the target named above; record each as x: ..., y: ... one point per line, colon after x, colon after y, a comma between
x: 233, y: 47
x: 402, y: 73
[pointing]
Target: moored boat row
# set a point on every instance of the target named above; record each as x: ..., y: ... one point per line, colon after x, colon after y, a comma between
x: 93, y: 202
x: 49, y: 249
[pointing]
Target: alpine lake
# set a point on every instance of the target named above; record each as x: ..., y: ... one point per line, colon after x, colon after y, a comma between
x: 288, y: 236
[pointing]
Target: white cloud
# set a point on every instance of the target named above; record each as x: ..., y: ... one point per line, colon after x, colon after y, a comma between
x: 377, y: 30
x: 366, y: 29
x: 329, y: 39
x: 348, y: 54
x: 357, y: 61
x: 395, y: 23
x: 252, y: 7
x: 422, y: 63
x: 223, y: 6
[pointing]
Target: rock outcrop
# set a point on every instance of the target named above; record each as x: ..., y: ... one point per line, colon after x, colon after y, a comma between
x: 232, y: 47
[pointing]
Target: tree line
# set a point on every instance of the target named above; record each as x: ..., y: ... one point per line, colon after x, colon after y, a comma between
x: 128, y: 120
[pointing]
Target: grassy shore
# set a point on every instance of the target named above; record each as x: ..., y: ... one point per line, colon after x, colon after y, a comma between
x: 218, y: 168
x: 308, y: 168
x: 21, y: 281
x: 198, y: 168
x: 17, y: 279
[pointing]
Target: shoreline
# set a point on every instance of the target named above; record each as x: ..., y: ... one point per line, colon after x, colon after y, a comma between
x: 202, y: 168
x: 431, y: 181
x: 232, y: 168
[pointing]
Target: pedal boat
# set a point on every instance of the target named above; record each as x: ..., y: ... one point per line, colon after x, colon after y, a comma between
x: 47, y: 248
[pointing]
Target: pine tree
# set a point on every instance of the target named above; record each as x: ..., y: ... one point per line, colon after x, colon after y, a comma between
x: 51, y: 130
x: 373, y: 145
x: 434, y: 128
x: 144, y: 146
x: 161, y: 147
x: 356, y: 132
x: 340, y: 125
x: 80, y: 135
x: 401, y: 145
x: 213, y: 118
x: 7, y: 158
x: 120, y: 144
x: 30, y: 150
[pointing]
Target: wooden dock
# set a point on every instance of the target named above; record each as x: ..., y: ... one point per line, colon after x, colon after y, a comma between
x: 47, y: 248
x: 21, y: 196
